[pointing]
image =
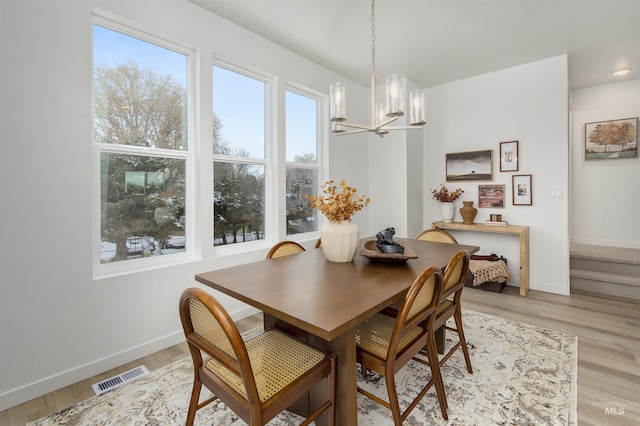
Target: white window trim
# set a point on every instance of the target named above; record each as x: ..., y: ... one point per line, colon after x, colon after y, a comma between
x: 271, y: 134
x: 319, y: 165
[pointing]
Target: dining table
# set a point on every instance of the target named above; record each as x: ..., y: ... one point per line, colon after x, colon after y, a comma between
x: 322, y: 302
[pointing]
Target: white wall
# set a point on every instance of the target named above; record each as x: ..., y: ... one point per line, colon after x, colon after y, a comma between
x: 528, y: 103
x: 605, y: 197
x: 58, y: 325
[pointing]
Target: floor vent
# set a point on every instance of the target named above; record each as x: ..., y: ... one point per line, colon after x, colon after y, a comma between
x: 120, y: 379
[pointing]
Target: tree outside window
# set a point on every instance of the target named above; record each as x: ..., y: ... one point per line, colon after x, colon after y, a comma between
x: 140, y: 127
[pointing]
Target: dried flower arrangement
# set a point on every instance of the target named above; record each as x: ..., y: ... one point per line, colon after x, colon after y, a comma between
x: 338, y: 206
x: 444, y: 196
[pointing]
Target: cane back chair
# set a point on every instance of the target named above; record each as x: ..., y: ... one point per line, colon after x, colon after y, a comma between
x: 257, y: 379
x: 436, y: 235
x: 284, y: 248
x: 455, y: 275
x: 386, y: 343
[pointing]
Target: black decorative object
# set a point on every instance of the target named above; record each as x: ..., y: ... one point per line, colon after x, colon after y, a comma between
x: 385, y: 242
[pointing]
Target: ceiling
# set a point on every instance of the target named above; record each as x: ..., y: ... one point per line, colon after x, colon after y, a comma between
x: 436, y: 41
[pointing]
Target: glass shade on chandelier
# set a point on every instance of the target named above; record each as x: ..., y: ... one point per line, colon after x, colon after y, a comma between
x: 395, y: 95
x: 418, y: 101
x: 337, y: 105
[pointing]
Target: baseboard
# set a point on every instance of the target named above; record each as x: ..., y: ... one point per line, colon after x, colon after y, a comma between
x: 27, y: 392
x: 606, y: 243
x: 33, y: 390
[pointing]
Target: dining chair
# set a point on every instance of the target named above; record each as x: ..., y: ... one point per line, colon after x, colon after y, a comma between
x: 257, y: 379
x: 386, y: 343
x: 455, y: 275
x: 437, y: 235
x: 284, y: 248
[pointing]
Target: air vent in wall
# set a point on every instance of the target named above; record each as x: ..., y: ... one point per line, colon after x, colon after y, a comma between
x: 120, y: 379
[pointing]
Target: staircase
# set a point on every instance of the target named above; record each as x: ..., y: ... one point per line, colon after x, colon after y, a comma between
x: 606, y: 270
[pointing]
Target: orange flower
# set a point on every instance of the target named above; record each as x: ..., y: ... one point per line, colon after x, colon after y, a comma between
x: 338, y: 206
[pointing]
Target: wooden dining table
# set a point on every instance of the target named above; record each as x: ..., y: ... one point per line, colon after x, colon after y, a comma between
x: 322, y: 302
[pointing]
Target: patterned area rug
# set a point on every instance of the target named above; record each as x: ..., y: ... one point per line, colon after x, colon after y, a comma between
x: 523, y: 375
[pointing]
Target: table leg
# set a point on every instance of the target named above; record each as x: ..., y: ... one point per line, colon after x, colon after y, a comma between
x: 440, y: 335
x: 344, y: 347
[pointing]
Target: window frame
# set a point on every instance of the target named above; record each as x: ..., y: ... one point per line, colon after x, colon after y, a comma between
x: 106, y: 270
x: 318, y: 165
x: 270, y: 111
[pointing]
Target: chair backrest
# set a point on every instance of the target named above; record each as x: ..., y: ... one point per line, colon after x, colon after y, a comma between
x: 455, y: 274
x: 419, y: 305
x: 208, y: 328
x: 284, y: 248
x: 436, y: 235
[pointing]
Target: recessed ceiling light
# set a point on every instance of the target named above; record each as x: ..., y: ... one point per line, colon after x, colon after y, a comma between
x: 622, y: 71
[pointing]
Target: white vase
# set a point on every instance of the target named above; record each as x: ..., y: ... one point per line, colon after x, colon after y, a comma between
x: 340, y: 240
x: 448, y: 211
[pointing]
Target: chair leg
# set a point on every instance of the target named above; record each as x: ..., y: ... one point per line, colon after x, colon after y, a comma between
x: 393, y: 399
x: 195, y: 397
x: 432, y: 354
x: 463, y: 341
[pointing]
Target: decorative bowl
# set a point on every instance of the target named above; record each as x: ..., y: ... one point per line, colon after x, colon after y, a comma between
x: 371, y: 252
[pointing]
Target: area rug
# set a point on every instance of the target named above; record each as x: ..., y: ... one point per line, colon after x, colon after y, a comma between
x: 522, y: 375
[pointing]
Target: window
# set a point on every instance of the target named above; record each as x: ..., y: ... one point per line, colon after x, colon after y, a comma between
x: 142, y: 146
x: 240, y: 156
x: 301, y: 137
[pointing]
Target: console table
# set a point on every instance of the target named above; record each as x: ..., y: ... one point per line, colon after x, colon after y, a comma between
x: 521, y: 231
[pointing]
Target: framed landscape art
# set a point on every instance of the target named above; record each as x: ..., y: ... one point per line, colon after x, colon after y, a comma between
x: 490, y: 196
x: 471, y: 165
x: 521, y: 190
x: 509, y: 156
x: 611, y: 139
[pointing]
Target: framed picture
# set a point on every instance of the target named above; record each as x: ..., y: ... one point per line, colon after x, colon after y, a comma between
x: 521, y: 189
x: 490, y: 196
x: 471, y: 165
x: 509, y: 156
x: 611, y: 139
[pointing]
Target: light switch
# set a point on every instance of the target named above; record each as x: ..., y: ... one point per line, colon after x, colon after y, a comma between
x: 556, y: 193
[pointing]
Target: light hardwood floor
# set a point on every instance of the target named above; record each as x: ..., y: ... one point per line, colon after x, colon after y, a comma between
x: 608, y: 330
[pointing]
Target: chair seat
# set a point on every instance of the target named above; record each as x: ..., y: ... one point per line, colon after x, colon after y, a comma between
x: 276, y: 360
x: 374, y: 335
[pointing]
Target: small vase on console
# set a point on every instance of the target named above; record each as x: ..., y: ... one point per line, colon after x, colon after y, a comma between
x: 448, y: 211
x: 468, y: 212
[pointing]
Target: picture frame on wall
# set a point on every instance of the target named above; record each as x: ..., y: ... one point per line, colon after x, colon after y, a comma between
x: 521, y: 190
x: 611, y: 139
x: 509, y: 156
x: 490, y: 196
x: 469, y: 166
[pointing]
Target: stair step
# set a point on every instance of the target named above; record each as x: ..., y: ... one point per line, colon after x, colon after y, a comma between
x: 628, y: 269
x: 605, y: 277
x: 605, y: 270
x: 609, y: 254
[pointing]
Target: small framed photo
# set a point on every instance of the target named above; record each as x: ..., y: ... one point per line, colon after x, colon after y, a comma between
x: 521, y: 188
x: 611, y: 139
x: 509, y: 156
x: 490, y: 196
x: 470, y: 165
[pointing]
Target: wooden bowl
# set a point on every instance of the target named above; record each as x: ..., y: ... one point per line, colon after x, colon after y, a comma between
x: 371, y: 252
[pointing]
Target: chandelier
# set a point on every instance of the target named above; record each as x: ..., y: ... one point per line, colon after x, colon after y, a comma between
x: 381, y: 114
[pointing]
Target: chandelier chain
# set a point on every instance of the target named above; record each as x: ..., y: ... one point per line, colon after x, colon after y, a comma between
x: 373, y: 25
